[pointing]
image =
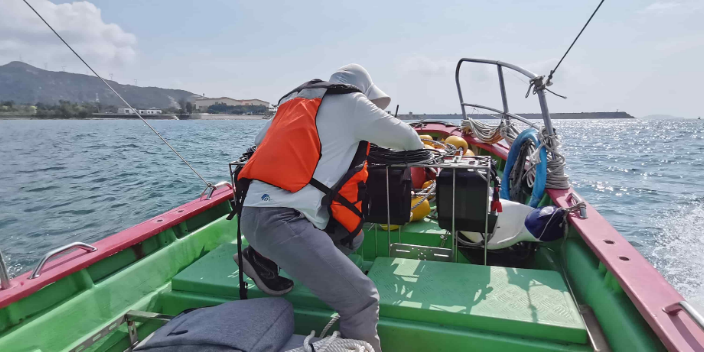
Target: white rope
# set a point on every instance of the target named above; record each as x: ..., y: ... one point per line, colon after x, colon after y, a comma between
x: 330, y: 324
x: 333, y: 343
x: 556, y: 178
x: 484, y: 132
x: 491, y: 134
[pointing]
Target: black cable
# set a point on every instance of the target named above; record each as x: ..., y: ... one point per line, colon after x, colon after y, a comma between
x: 571, y: 45
x: 384, y: 156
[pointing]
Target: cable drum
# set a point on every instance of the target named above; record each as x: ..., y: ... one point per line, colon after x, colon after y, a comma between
x: 384, y: 156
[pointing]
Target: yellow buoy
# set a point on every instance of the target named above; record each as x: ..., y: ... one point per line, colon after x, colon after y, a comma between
x: 426, y: 139
x: 469, y: 153
x: 427, y: 146
x: 393, y: 227
x: 458, y: 142
x: 421, y: 211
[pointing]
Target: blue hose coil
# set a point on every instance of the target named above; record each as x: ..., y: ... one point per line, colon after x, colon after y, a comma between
x: 541, y: 171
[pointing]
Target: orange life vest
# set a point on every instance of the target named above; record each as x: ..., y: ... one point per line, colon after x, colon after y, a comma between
x: 292, y: 144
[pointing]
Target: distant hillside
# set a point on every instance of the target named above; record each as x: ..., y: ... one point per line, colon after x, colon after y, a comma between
x: 26, y: 84
x: 554, y: 116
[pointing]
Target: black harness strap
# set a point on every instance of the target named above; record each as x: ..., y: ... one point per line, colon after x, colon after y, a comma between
x: 327, y: 191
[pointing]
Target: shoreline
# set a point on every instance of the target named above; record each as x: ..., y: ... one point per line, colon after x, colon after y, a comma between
x: 209, y: 117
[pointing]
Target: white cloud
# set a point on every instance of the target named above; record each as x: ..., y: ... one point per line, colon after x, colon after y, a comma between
x: 427, y: 66
x: 661, y: 6
x: 23, y: 34
x: 672, y: 7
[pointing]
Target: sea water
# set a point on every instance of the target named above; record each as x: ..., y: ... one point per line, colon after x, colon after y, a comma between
x: 66, y: 181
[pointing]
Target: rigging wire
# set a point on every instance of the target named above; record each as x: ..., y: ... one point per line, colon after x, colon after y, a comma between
x: 208, y: 184
x: 548, y: 82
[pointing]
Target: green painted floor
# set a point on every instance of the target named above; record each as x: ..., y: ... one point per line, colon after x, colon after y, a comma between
x: 519, y: 302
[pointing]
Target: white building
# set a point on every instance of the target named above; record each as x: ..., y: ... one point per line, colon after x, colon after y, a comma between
x: 255, y: 102
x: 128, y: 111
x: 202, y: 104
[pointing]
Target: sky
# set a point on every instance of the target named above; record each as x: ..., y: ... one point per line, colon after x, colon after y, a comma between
x: 638, y: 56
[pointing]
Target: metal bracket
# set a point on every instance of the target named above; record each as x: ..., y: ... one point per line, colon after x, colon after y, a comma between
x: 574, y: 199
x: 130, y: 318
x: 74, y: 245
x: 211, y: 189
x: 411, y: 251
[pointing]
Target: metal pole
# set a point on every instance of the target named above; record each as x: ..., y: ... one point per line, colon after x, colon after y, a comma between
x: 388, y: 211
x: 454, y: 234
x: 545, y: 112
x: 459, y: 91
x: 502, y: 86
x: 486, y: 218
x: 4, y: 276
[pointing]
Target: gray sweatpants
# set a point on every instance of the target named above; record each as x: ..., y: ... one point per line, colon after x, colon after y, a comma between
x: 309, y: 255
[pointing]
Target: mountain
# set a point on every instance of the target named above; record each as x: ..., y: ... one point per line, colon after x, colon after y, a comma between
x: 26, y: 84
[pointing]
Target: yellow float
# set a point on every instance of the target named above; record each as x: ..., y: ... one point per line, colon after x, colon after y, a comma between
x: 426, y: 139
x: 469, y: 153
x: 393, y: 227
x: 458, y: 142
x: 421, y: 211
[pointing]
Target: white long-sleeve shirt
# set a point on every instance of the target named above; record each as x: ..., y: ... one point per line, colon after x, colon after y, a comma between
x: 343, y: 121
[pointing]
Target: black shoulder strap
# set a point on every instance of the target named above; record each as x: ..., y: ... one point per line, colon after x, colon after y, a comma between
x: 332, y: 88
x: 336, y: 196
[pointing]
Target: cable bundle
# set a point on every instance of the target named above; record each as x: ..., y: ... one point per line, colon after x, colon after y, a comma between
x: 384, y: 156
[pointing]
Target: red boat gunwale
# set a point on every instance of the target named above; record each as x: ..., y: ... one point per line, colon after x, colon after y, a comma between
x: 22, y: 286
x: 644, y: 285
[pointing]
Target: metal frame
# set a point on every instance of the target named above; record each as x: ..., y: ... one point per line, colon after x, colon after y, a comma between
x: 131, y: 317
x: 4, y: 276
x: 37, y: 271
x: 684, y: 305
x: 535, y: 79
x: 475, y: 163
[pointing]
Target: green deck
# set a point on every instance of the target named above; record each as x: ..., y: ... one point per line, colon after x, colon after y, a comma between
x: 530, y: 303
x: 217, y: 275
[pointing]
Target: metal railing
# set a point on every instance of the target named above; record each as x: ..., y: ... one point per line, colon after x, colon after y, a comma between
x: 684, y: 305
x: 37, y: 271
x: 4, y: 276
x: 535, y: 80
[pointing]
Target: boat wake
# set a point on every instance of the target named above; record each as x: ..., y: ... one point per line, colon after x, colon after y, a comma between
x: 677, y: 252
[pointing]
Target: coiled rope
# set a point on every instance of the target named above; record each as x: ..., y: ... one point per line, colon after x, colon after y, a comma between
x: 490, y: 134
x: 556, y: 177
x: 332, y: 343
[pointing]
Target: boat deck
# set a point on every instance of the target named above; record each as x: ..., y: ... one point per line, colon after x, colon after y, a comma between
x: 509, y: 307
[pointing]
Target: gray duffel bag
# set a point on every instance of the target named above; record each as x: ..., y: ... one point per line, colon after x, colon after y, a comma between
x: 253, y: 325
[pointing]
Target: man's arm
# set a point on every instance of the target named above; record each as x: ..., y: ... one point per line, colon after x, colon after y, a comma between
x: 376, y: 126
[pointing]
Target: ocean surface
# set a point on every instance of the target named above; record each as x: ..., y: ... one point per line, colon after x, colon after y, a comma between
x: 66, y: 181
